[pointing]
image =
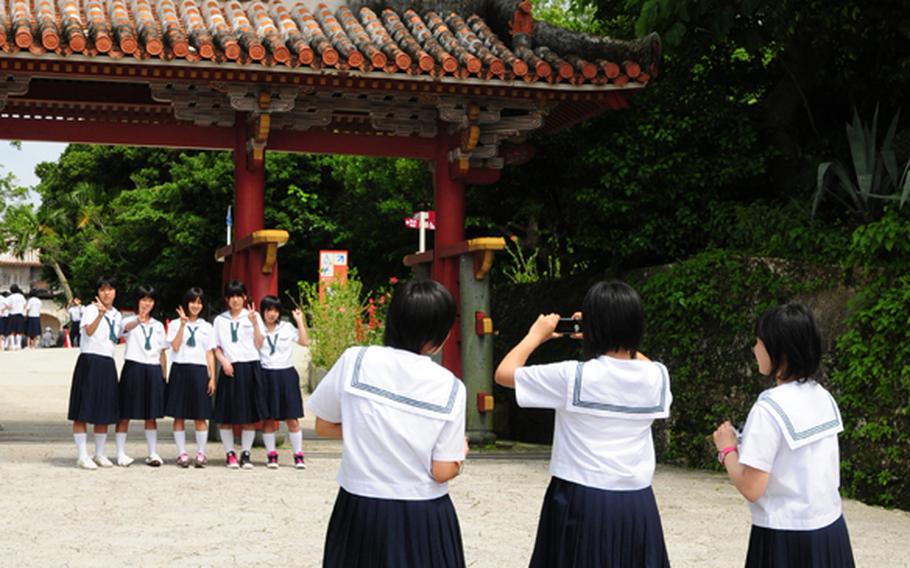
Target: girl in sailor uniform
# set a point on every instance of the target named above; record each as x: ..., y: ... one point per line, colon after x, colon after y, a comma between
x: 240, y: 400
x: 788, y: 463
x: 93, y: 394
x: 599, y: 509
x: 4, y: 318
x: 403, y: 419
x: 192, y: 378
x: 142, y: 380
x: 33, y: 319
x: 280, y: 378
x: 15, y: 324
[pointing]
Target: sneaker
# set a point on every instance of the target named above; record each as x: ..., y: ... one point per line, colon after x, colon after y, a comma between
x: 298, y: 461
x: 232, y: 460
x: 201, y: 460
x: 154, y: 460
x: 245, y: 462
x: 86, y: 462
x: 183, y: 460
x: 124, y: 460
x: 273, y: 460
x: 102, y: 461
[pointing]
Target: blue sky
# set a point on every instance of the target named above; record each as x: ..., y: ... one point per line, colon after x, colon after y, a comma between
x: 22, y: 162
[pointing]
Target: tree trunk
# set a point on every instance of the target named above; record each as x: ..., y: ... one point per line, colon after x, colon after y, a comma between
x: 64, y: 282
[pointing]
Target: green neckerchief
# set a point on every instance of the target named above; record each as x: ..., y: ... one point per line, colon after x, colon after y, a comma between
x: 111, y: 335
x: 272, y: 345
x: 191, y: 342
x: 147, y: 336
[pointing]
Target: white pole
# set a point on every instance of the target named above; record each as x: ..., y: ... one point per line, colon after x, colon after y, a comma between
x: 230, y: 223
x: 422, y: 220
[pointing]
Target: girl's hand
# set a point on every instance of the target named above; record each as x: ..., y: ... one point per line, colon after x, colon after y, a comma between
x: 544, y: 329
x: 228, y: 369
x: 97, y: 303
x: 252, y: 314
x: 724, y: 436
x: 297, y: 315
x: 211, y: 387
x: 182, y: 315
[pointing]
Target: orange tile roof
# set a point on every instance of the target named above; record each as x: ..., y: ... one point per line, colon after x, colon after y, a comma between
x: 296, y: 34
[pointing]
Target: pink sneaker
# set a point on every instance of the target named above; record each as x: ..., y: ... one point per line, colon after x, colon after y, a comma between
x: 201, y: 460
x: 298, y: 461
x: 232, y: 462
x: 183, y: 460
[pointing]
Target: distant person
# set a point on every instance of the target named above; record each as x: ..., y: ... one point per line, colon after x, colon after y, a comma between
x: 280, y: 379
x: 4, y: 318
x: 16, y: 322
x: 599, y: 509
x: 75, y: 313
x: 788, y: 463
x: 93, y: 394
x: 401, y: 418
x: 48, y: 338
x: 191, y: 384
x: 33, y: 319
x: 142, y: 379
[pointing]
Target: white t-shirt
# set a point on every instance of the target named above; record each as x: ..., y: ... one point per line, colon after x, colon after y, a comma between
x: 33, y: 306
x: 145, y: 342
x: 399, y: 412
x: 235, y: 336
x: 277, y: 351
x: 604, y: 410
x: 203, y: 335
x: 791, y: 433
x: 4, y: 307
x: 106, y: 335
x: 75, y: 313
x: 16, y: 304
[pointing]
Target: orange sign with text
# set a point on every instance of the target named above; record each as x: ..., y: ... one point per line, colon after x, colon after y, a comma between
x: 333, y: 267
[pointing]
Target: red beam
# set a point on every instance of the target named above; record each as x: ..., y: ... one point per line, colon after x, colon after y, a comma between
x: 352, y: 144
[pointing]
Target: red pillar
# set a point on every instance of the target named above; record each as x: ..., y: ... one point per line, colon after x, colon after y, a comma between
x: 249, y: 216
x: 449, y: 198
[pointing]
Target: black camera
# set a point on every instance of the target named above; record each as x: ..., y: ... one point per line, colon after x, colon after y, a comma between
x: 568, y: 326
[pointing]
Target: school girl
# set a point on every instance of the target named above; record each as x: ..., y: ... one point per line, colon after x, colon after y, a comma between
x: 33, y: 319
x: 599, y: 509
x: 280, y: 379
x: 4, y: 318
x: 93, y: 394
x: 15, y: 325
x: 240, y: 400
x: 403, y: 418
x: 75, y: 314
x: 192, y: 379
x: 142, y: 380
x: 788, y: 463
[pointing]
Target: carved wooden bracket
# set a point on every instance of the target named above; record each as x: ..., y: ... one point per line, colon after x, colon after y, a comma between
x: 13, y: 85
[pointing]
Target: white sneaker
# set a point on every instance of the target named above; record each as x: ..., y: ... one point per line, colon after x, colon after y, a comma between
x: 154, y: 460
x: 86, y: 463
x: 124, y: 460
x: 102, y: 461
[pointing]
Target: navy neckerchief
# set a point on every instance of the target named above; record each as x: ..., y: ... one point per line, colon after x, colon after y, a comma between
x: 111, y: 335
x: 191, y: 342
x: 147, y: 336
x: 272, y: 345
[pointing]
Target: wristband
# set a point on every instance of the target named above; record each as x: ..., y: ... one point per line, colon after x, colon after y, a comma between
x: 722, y: 455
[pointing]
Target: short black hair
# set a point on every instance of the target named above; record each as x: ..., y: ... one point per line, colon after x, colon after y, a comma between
x: 105, y: 280
x: 612, y: 318
x: 270, y: 302
x: 190, y: 296
x: 792, y: 341
x: 146, y: 291
x: 15, y: 289
x: 421, y: 313
x: 234, y: 288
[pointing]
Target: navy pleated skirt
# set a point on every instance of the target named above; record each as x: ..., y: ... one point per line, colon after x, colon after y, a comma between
x: 827, y: 547
x: 4, y: 325
x: 583, y: 526
x: 93, y: 393
x: 282, y: 393
x: 187, y: 392
x: 367, y: 532
x: 15, y: 324
x: 33, y: 327
x: 141, y: 391
x: 240, y: 399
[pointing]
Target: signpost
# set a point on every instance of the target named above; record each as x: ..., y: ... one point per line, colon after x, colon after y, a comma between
x: 422, y: 220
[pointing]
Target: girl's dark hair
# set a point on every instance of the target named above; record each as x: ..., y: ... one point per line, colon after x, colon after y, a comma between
x: 105, y: 281
x: 792, y: 341
x: 421, y: 313
x: 269, y: 302
x: 190, y: 296
x: 234, y: 288
x: 613, y: 318
x: 146, y: 292
x: 15, y: 289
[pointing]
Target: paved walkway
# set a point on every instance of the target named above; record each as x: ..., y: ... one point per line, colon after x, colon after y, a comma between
x: 58, y: 515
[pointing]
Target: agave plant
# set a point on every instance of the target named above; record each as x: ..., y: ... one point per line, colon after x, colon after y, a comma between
x: 876, y: 177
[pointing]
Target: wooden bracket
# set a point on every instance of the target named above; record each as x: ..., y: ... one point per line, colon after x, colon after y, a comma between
x: 270, y: 239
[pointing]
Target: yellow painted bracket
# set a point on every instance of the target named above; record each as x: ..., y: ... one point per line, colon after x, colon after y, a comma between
x: 483, y: 249
x: 270, y: 239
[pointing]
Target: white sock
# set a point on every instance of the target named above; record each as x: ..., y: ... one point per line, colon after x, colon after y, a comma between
x: 120, y: 438
x: 100, y: 440
x: 180, y: 440
x: 269, y: 441
x: 202, y: 436
x: 227, y: 438
x: 80, y: 444
x: 246, y: 440
x: 296, y: 441
x: 151, y: 438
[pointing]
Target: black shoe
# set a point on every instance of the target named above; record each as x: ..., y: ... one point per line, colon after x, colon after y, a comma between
x: 245, y: 462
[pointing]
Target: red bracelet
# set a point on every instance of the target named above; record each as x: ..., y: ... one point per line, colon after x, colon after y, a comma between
x: 722, y: 455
